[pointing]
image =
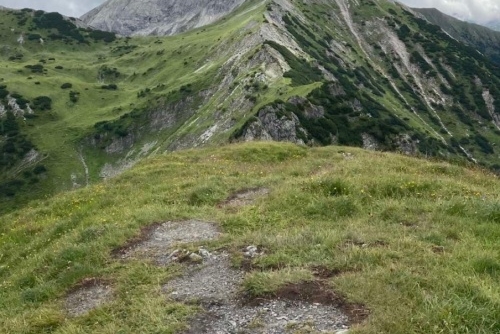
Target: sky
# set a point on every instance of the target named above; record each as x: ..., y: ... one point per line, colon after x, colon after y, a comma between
x: 480, y: 11
x: 75, y: 8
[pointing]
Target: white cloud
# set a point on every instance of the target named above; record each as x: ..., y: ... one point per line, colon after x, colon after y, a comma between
x: 481, y: 11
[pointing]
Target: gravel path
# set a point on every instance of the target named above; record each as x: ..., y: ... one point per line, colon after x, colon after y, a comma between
x: 210, y: 280
x: 157, y: 244
x: 273, y: 317
x: 215, y: 284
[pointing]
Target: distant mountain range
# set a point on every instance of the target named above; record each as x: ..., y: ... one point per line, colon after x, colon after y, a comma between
x: 483, y: 39
x: 494, y: 25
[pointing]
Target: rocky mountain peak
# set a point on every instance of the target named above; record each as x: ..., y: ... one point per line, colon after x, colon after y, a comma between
x: 157, y: 17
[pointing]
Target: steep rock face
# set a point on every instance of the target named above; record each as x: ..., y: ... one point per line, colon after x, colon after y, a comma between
x: 157, y: 17
x: 272, y: 123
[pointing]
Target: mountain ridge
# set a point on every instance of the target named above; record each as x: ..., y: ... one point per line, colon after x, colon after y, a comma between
x: 371, y: 75
x: 483, y: 38
x: 157, y: 17
x: 342, y: 222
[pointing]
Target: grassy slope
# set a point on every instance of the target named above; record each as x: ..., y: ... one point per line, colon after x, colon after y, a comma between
x: 431, y: 263
x: 170, y: 62
x: 163, y: 65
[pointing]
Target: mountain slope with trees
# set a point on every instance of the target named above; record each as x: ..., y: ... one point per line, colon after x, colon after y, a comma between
x: 372, y: 74
x: 485, y: 40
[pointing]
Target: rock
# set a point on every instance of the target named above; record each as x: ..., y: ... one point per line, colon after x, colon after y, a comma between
x: 174, y: 255
x: 274, y: 123
x: 203, y: 252
x: 157, y: 17
x: 407, y: 145
x: 193, y: 257
x: 251, y: 251
x: 369, y: 142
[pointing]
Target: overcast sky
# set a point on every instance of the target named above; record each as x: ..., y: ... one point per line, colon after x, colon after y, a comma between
x: 481, y: 11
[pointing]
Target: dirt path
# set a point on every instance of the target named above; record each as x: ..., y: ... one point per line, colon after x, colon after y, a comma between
x: 210, y: 280
x: 216, y: 285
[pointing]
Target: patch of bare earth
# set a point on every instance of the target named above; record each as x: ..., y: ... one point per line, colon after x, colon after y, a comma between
x: 87, y: 296
x: 244, y: 197
x: 157, y: 241
x: 308, y: 307
x: 212, y: 282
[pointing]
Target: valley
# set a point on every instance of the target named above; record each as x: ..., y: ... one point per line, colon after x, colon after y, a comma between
x: 260, y: 73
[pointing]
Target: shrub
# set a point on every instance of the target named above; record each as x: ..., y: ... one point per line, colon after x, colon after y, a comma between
x: 37, y: 68
x: 3, y: 92
x: 39, y: 169
x: 105, y: 36
x: 110, y: 87
x: 66, y: 85
x: 42, y: 103
x: 484, y: 144
x: 74, y: 96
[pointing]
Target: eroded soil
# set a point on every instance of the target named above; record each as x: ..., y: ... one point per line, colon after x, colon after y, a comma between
x: 87, y: 296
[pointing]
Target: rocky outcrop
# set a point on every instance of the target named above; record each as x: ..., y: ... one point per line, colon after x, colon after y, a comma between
x: 273, y: 123
x: 157, y: 17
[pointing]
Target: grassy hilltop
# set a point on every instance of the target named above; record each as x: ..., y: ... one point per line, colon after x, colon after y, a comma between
x: 414, y: 241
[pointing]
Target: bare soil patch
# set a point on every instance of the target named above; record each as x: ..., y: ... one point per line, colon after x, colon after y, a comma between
x: 87, y: 296
x: 317, y: 293
x: 310, y: 307
x: 210, y: 282
x: 323, y: 272
x: 156, y: 242
x: 244, y: 197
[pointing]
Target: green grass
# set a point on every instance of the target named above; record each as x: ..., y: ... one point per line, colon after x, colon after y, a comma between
x: 161, y: 65
x: 153, y: 70
x: 416, y: 241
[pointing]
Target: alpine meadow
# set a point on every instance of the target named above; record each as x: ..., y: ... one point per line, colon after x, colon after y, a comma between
x: 248, y: 166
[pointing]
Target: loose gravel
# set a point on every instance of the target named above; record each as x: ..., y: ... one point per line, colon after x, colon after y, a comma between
x: 211, y: 281
x: 157, y: 244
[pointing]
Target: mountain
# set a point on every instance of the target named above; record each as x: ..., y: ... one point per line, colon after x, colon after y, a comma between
x: 134, y: 197
x: 495, y: 25
x: 483, y: 39
x: 84, y: 105
x: 157, y: 17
